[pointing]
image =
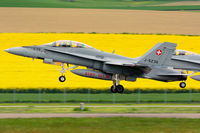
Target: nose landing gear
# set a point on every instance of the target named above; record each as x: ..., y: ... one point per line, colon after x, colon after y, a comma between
x: 116, y: 87
x: 62, y: 78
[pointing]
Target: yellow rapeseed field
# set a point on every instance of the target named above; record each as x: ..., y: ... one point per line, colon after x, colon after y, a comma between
x: 20, y: 72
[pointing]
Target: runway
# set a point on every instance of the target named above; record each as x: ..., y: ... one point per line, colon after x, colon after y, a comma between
x: 94, y: 115
x: 100, y: 106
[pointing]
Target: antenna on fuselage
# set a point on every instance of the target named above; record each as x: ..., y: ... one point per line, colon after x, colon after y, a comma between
x: 113, y: 51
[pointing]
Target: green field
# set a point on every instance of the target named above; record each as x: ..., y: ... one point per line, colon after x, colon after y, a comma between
x: 99, y: 4
x: 99, y: 98
x: 100, y: 125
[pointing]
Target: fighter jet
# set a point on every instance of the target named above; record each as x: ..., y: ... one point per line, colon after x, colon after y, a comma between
x: 163, y: 62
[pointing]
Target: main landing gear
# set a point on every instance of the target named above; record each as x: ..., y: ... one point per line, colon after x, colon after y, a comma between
x: 182, y: 84
x: 116, y: 87
x: 62, y: 78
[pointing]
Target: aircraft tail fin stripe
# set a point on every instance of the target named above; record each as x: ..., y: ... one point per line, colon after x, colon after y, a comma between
x: 159, y: 55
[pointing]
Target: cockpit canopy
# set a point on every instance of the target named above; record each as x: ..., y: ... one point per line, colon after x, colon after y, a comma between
x: 184, y: 52
x: 68, y: 43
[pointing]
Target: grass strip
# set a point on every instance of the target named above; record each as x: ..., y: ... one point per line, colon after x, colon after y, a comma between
x: 99, y: 125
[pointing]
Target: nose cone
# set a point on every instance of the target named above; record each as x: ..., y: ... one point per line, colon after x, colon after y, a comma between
x: 8, y: 50
x: 16, y: 50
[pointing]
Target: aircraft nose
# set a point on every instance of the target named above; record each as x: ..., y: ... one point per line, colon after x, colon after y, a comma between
x: 7, y: 50
x: 15, y: 50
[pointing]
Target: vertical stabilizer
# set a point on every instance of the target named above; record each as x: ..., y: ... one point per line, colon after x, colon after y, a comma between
x: 159, y: 55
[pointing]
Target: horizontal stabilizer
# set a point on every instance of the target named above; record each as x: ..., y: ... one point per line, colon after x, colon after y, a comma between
x: 196, y: 77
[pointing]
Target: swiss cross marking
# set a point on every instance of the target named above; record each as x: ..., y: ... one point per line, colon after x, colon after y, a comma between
x: 158, y: 52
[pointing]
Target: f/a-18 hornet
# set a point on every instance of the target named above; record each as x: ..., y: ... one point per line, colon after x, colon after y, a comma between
x: 163, y: 62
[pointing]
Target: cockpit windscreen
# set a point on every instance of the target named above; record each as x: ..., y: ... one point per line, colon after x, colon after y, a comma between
x: 68, y: 43
x: 184, y: 52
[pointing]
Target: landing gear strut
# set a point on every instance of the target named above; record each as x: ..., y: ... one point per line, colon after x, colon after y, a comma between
x: 62, y: 77
x: 63, y: 70
x: 116, y: 87
x: 182, y: 84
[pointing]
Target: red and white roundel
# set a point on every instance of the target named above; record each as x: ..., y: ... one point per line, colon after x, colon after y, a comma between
x: 158, y: 52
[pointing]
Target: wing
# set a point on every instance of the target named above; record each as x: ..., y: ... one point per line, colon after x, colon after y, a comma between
x: 186, y: 60
x: 76, y: 54
x: 190, y: 59
x: 134, y: 67
x: 196, y: 77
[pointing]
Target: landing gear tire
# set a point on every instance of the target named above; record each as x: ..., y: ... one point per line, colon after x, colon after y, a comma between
x: 117, y: 89
x: 62, y: 78
x: 113, y: 89
x: 120, y: 89
x: 182, y: 84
